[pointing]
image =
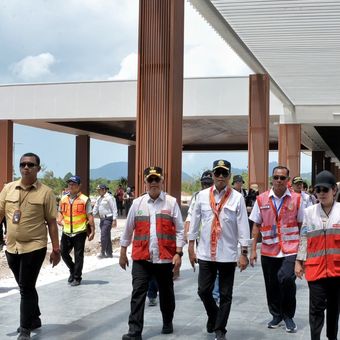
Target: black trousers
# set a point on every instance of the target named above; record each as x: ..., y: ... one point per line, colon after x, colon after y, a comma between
x: 324, y: 294
x: 77, y: 243
x: 206, y: 280
x: 26, y: 268
x: 142, y: 273
x: 105, y: 235
x: 279, y: 278
x: 153, y: 289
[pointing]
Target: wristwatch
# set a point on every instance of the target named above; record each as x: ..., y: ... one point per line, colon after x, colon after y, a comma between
x: 244, y: 251
x: 179, y: 253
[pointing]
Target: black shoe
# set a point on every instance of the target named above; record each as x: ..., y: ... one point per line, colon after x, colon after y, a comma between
x: 70, y: 278
x: 36, y: 323
x: 101, y: 256
x: 131, y: 336
x: 25, y: 334
x: 210, y: 326
x: 290, y: 326
x: 275, y: 323
x: 75, y: 282
x: 167, y: 328
x: 220, y: 335
x: 109, y: 256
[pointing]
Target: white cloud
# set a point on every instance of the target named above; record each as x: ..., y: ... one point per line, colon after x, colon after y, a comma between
x: 128, y: 68
x: 34, y: 67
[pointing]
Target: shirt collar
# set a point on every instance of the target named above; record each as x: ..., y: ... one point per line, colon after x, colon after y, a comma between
x: 25, y: 187
x: 160, y: 197
x: 219, y: 192
x: 287, y: 193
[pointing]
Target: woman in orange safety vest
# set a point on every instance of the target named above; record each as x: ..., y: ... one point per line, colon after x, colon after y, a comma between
x: 319, y: 257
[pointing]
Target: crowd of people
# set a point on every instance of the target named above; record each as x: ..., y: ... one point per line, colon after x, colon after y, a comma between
x: 299, y: 234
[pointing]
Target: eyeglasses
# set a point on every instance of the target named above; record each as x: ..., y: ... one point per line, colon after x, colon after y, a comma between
x: 153, y: 179
x: 282, y: 178
x: 28, y: 164
x: 321, y: 189
x: 219, y: 172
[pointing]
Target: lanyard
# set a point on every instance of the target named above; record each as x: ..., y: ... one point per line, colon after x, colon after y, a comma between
x: 280, y: 206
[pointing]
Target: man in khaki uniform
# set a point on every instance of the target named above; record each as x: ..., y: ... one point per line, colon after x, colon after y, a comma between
x: 28, y: 206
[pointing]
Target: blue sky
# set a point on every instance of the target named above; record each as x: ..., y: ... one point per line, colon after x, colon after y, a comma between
x: 75, y: 40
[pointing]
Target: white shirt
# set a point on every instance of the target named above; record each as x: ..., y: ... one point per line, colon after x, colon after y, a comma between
x: 307, y: 199
x: 234, y: 224
x: 257, y: 218
x: 105, y: 206
x: 153, y: 206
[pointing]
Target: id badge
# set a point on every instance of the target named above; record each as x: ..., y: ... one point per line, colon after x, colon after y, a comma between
x: 16, y: 217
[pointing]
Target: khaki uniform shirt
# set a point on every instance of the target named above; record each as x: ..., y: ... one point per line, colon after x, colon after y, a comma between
x: 37, y: 204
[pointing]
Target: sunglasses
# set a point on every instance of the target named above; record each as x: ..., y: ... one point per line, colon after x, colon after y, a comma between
x: 321, y: 189
x: 218, y: 173
x: 153, y: 179
x: 282, y: 178
x: 28, y: 164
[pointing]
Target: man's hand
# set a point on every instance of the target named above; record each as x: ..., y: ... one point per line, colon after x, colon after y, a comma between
x: 299, y: 269
x: 253, y: 258
x: 123, y: 261
x: 91, y: 234
x: 243, y: 262
x: 192, y: 254
x: 55, y: 257
x: 114, y: 224
x: 176, y: 261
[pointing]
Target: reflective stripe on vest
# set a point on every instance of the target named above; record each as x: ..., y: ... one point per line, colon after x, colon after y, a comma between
x: 323, y: 254
x: 279, y: 232
x: 75, y: 217
x: 165, y: 231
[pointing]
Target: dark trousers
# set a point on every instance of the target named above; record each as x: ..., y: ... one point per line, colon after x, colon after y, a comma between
x: 77, y: 243
x: 324, y: 294
x: 153, y: 289
x: 142, y: 273
x: 280, y: 284
x: 3, y: 230
x: 26, y: 268
x: 105, y: 235
x: 206, y: 281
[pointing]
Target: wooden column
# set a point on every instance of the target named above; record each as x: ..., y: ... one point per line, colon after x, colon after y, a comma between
x: 6, y: 152
x: 317, y: 163
x: 160, y: 91
x: 83, y: 162
x: 258, y: 130
x: 131, y: 165
x: 327, y: 163
x: 290, y: 147
x: 333, y: 168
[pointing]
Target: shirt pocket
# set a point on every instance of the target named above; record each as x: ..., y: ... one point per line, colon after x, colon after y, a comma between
x: 206, y: 211
x: 229, y: 214
x: 12, y: 203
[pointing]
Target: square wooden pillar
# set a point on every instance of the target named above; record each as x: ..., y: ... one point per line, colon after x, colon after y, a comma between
x: 290, y: 147
x: 83, y: 162
x: 327, y: 163
x: 160, y: 91
x: 6, y: 152
x: 258, y: 130
x: 317, y: 163
x: 131, y: 165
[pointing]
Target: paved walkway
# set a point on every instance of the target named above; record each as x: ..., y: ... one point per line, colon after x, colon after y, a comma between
x: 98, y: 309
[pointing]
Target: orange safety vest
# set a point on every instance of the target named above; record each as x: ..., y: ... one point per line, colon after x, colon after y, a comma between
x: 165, y: 231
x: 279, y: 231
x: 75, y: 217
x: 323, y: 246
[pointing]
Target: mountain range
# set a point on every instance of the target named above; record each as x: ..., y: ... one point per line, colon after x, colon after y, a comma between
x: 116, y: 170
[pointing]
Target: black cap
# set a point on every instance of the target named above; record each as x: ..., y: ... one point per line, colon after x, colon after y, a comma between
x: 325, y: 179
x: 237, y: 178
x: 221, y: 163
x: 102, y: 186
x: 153, y: 171
x: 206, y: 177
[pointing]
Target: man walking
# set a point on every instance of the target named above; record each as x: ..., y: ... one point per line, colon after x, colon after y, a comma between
x: 105, y: 207
x: 222, y: 215
x: 278, y: 214
x: 28, y: 206
x: 155, y: 224
x: 75, y: 213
